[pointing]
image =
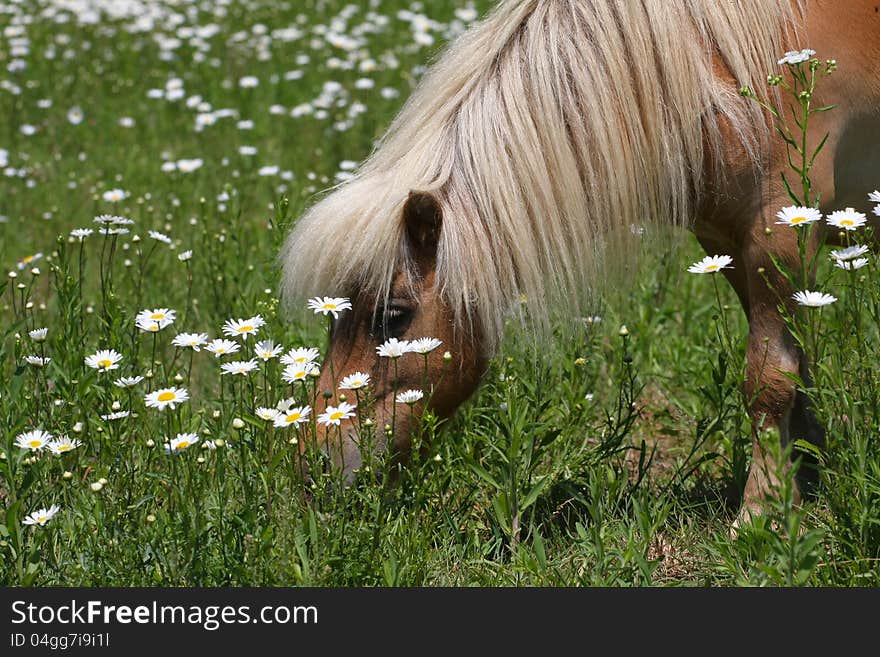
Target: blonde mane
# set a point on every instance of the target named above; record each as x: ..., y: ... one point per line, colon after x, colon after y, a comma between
x: 546, y: 132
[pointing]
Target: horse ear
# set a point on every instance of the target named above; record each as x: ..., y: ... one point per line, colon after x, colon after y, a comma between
x: 423, y: 218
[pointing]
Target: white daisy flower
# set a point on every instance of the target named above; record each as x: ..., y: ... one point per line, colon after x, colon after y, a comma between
x: 155, y: 319
x: 795, y: 215
x: 33, y: 440
x: 710, y: 264
x: 220, y: 347
x: 335, y: 414
x: 104, y: 360
x: 267, y: 350
x: 28, y: 260
x: 796, y: 56
x: 166, y: 397
x: 300, y: 356
x: 293, y: 415
x: 192, y: 340
x: 181, y: 442
x: 116, y: 415
x: 42, y: 516
x: 848, y: 219
x: 874, y: 196
x: 63, y: 444
x: 243, y: 327
x: 38, y: 335
x: 188, y: 166
x: 112, y: 219
x: 286, y: 404
x: 113, y: 231
x: 850, y: 252
x: 115, y: 195
x: 248, y: 82
x: 242, y: 367
x: 128, y: 381
x: 851, y: 265
x: 37, y: 361
x: 75, y: 115
x: 393, y: 348
x: 81, y: 233
x: 183, y: 256
x: 813, y: 299
x: 298, y: 372
x: 160, y: 237
x: 268, y: 414
x: 424, y: 345
x: 354, y: 381
x: 409, y: 397
x: 329, y: 305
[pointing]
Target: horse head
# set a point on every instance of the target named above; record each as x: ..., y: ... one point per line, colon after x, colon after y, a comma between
x: 405, y: 343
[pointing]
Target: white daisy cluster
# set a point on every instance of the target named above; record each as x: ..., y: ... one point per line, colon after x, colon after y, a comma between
x: 850, y: 258
x: 848, y: 219
x: 394, y: 348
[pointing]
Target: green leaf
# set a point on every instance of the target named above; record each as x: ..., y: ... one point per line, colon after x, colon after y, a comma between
x: 483, y: 474
x: 533, y: 494
x: 540, y: 553
x: 502, y: 514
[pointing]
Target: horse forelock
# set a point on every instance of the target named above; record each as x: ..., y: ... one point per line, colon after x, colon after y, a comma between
x: 546, y: 133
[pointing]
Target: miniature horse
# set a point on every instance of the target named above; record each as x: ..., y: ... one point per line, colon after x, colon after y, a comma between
x: 531, y: 147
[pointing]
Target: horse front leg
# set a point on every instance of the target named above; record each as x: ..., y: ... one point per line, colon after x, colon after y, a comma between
x: 774, y: 361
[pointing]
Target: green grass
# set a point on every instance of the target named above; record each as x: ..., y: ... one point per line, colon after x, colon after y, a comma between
x: 533, y: 482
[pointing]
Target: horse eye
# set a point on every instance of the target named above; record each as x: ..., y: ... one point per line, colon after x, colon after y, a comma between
x: 391, y: 322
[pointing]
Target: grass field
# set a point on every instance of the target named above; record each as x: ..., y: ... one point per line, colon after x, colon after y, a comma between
x: 592, y: 458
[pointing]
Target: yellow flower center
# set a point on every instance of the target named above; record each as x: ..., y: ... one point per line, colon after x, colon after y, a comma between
x: 299, y: 375
x: 63, y: 448
x: 27, y: 259
x: 157, y: 316
x: 105, y: 363
x: 328, y: 306
x: 293, y: 417
x: 182, y: 444
x: 711, y: 267
x: 357, y: 383
x: 846, y: 222
x: 35, y: 443
x: 244, y: 329
x: 798, y: 220
x: 221, y: 350
x: 338, y: 415
x: 42, y: 519
x: 153, y: 327
x: 166, y: 396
